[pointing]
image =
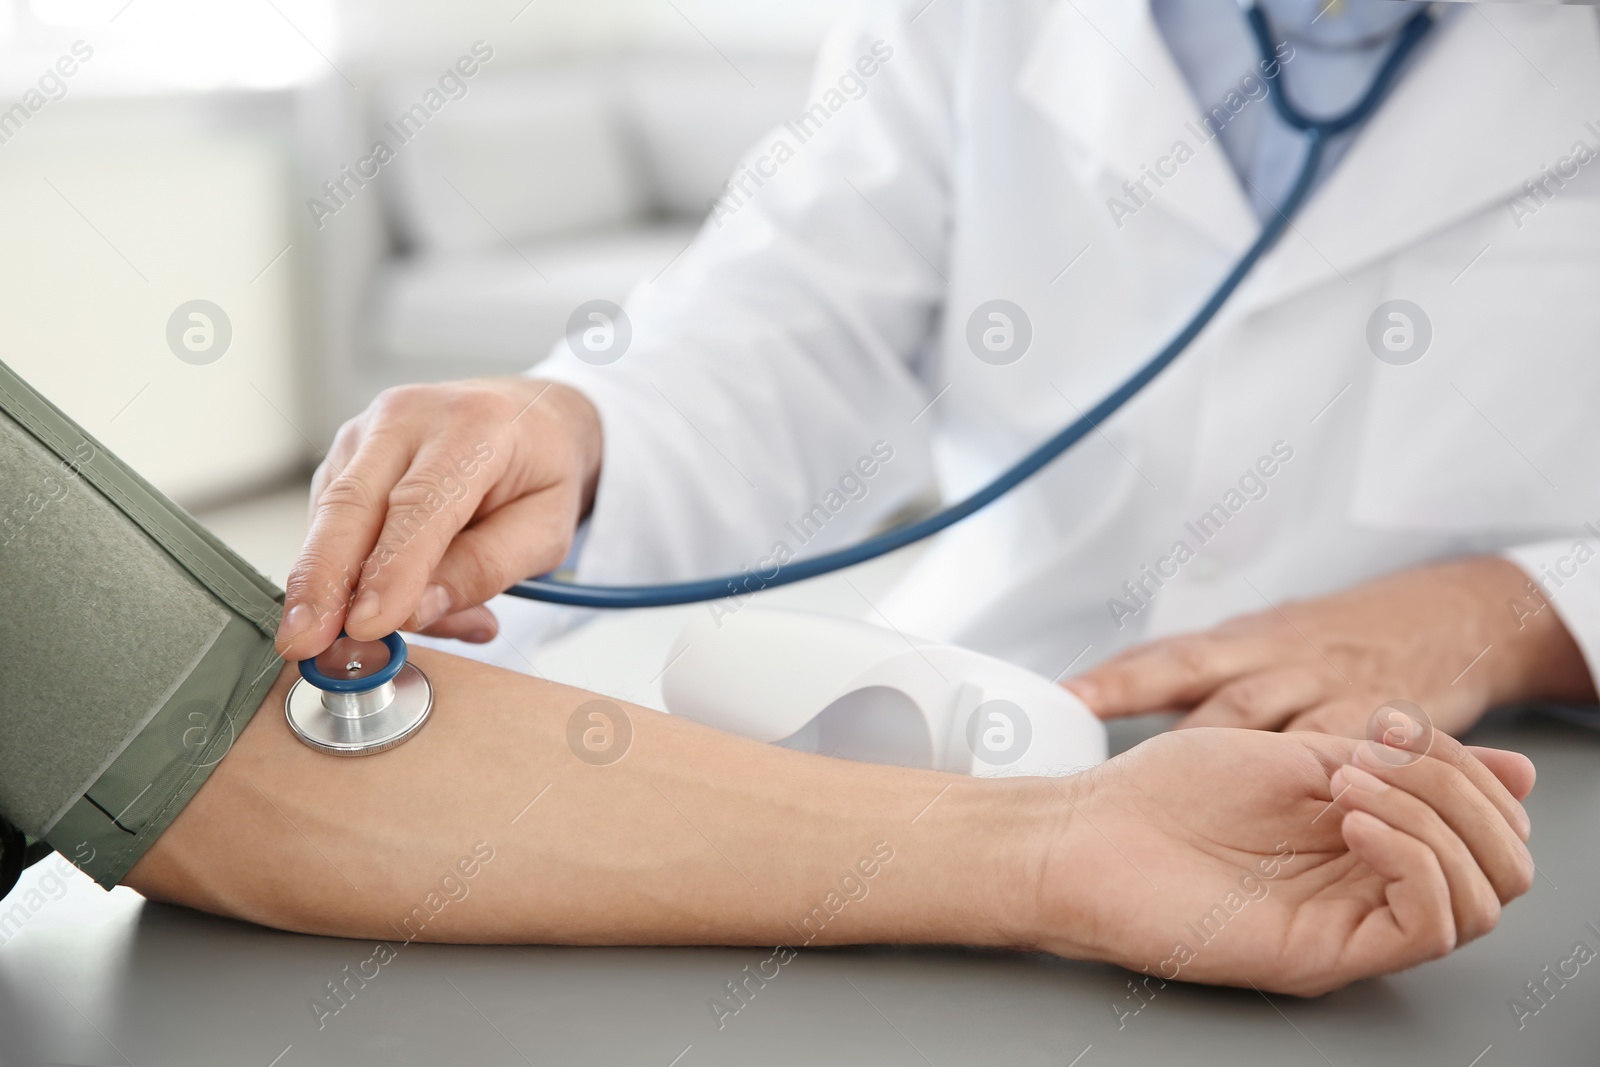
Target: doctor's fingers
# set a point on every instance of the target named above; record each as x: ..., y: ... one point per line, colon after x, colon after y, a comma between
x: 1339, y: 714
x: 477, y: 625
x: 348, y: 511
x: 1263, y: 700
x: 345, y: 445
x: 1177, y: 672
x: 440, y: 493
x: 521, y: 539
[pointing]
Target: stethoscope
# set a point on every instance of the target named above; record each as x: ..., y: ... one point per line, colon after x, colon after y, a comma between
x: 376, y: 700
x: 359, y: 698
x: 1318, y: 133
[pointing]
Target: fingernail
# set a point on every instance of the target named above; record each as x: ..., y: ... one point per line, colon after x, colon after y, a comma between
x: 1356, y: 778
x: 365, y: 607
x: 1084, y: 690
x: 1402, y: 729
x: 434, y: 605
x: 479, y: 637
x: 296, y: 621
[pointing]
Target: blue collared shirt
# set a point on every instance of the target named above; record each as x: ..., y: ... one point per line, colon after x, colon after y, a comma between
x: 1338, y: 45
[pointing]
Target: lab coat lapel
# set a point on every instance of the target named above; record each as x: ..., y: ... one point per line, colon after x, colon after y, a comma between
x: 1102, y: 74
x: 1476, y: 117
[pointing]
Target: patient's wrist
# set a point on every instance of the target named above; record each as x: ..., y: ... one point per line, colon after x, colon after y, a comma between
x: 906, y: 858
x: 1043, y: 841
x: 982, y: 860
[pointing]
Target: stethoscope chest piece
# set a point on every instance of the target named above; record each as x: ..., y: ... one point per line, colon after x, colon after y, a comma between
x: 359, y: 697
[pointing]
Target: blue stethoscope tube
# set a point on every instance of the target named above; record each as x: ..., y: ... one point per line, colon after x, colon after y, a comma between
x: 1317, y: 132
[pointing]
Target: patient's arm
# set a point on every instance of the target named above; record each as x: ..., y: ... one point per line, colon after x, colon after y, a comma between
x: 694, y: 836
x: 698, y: 837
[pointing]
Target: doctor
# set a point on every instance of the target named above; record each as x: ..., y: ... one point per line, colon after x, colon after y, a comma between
x: 1373, y: 476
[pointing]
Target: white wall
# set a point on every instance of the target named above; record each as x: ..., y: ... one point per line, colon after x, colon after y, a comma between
x: 387, y: 31
x: 165, y: 44
x: 136, y: 191
x: 201, y: 43
x: 113, y: 216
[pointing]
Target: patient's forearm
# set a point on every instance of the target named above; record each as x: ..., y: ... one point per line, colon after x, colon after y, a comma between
x: 692, y: 837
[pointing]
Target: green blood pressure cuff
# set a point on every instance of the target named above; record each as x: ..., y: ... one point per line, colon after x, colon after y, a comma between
x: 134, y: 647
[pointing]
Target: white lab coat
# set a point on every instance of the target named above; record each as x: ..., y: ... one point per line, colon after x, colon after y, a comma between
x: 826, y: 310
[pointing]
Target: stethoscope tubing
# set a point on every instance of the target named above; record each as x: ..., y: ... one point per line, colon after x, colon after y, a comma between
x: 1317, y: 133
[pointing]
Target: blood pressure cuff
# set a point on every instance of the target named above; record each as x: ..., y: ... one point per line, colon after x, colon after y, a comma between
x: 134, y: 647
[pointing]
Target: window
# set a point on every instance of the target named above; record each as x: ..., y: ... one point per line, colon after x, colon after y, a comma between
x: 162, y: 45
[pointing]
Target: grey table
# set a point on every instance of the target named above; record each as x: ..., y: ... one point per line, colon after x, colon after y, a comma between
x: 112, y: 979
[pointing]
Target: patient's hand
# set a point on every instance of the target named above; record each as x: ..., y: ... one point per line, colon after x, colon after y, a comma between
x: 1447, y: 637
x: 1248, y: 858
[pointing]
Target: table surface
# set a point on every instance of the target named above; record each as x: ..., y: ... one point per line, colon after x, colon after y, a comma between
x: 98, y: 978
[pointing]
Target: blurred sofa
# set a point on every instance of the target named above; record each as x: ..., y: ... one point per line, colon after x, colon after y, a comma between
x: 541, y: 188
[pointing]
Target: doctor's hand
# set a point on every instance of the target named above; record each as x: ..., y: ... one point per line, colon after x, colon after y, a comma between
x: 1456, y: 639
x: 433, y: 500
x: 1294, y: 863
